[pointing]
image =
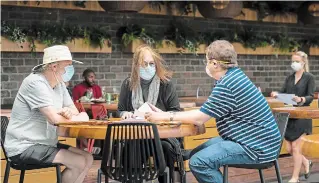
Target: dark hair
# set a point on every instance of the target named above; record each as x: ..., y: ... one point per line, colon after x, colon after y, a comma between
x: 86, y: 72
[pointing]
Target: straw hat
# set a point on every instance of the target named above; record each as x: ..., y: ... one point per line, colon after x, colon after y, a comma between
x: 55, y: 54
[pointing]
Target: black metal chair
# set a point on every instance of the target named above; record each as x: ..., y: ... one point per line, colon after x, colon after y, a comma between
x: 21, y: 167
x: 282, y: 120
x: 132, y: 153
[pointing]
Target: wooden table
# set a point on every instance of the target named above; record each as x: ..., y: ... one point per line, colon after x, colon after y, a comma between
x: 98, y: 131
x: 109, y: 106
x: 299, y: 112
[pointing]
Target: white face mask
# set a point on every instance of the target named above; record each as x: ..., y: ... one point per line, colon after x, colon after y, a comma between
x: 296, y: 66
x: 208, y: 72
x: 148, y: 72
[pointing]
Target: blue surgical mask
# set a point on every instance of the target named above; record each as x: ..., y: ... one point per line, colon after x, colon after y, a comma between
x: 69, y: 72
x: 148, y: 72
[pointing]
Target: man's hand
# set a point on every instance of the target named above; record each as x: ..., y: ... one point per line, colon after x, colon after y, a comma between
x: 66, y: 112
x: 83, y: 116
x: 157, y: 116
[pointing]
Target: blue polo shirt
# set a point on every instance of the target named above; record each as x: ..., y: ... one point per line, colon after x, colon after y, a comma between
x: 243, y: 116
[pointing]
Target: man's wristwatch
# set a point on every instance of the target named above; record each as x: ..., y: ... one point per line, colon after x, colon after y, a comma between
x: 172, y: 114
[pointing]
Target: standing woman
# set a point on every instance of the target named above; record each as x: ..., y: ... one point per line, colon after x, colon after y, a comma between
x: 302, y: 84
x: 150, y: 82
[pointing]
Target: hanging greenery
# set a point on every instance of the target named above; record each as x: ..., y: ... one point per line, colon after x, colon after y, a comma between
x: 55, y: 33
x: 185, y: 37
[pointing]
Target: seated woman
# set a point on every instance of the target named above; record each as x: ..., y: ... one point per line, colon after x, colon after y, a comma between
x: 149, y: 82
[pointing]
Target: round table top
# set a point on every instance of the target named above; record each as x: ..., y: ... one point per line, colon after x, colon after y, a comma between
x: 310, y: 145
x: 299, y: 112
x: 91, y: 131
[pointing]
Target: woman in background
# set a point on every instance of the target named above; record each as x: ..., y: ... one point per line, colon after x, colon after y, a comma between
x: 302, y: 84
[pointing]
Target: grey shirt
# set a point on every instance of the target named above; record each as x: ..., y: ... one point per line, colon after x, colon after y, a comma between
x: 28, y: 126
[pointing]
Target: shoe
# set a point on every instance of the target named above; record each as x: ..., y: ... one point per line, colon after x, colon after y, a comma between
x: 307, y: 175
x: 295, y: 182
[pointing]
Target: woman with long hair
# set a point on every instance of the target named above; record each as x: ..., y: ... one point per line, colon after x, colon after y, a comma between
x: 150, y: 82
x: 302, y: 84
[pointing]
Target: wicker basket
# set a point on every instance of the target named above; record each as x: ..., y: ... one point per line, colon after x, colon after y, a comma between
x: 123, y: 6
x: 307, y: 17
x: 220, y: 9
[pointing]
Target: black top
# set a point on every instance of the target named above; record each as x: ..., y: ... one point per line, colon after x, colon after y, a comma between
x: 305, y: 87
x: 167, y: 96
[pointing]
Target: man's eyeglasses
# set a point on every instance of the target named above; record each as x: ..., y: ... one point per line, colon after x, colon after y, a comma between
x: 205, y: 61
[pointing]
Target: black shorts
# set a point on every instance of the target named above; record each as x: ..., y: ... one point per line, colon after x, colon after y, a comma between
x: 38, y: 154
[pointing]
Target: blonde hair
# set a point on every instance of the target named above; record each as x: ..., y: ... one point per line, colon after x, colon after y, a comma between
x: 138, y: 60
x: 304, y: 58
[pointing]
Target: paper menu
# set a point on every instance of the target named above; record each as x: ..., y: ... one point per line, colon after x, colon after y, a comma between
x: 139, y: 113
x: 286, y: 98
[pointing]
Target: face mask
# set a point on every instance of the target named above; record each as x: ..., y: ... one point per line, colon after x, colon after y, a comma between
x: 296, y: 66
x: 69, y: 72
x: 208, y: 72
x: 148, y: 72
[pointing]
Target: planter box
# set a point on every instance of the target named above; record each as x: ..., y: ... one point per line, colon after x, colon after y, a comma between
x: 268, y: 50
x: 314, y: 51
x: 77, y: 45
x: 240, y: 49
x: 282, y: 18
x: 167, y: 47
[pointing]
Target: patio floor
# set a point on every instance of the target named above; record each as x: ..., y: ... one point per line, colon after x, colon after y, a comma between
x: 240, y: 175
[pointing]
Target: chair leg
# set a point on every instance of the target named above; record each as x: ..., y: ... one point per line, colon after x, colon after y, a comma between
x: 279, y: 179
x: 225, y: 179
x: 99, y: 176
x: 58, y: 174
x: 7, y: 173
x: 22, y: 176
x: 261, y: 175
x: 165, y: 176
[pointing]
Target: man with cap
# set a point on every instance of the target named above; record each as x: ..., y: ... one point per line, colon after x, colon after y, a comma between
x: 247, y: 128
x: 41, y: 102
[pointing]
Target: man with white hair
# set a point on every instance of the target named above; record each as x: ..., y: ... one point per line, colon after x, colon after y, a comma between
x: 247, y: 128
x: 41, y: 102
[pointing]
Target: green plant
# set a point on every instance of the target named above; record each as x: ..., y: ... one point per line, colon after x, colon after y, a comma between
x: 55, y: 33
x: 249, y: 38
x: 284, y: 43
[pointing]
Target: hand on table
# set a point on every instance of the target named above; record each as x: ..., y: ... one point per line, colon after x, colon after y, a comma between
x: 297, y: 99
x: 156, y: 116
x: 274, y: 94
x: 82, y: 116
x: 66, y: 112
x: 127, y: 115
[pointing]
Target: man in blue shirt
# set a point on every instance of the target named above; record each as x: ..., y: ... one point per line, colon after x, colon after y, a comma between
x: 247, y: 128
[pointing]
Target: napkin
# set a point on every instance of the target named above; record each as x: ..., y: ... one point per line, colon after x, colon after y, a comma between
x: 140, y: 112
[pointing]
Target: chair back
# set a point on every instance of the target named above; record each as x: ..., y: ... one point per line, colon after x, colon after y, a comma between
x: 282, y: 121
x: 132, y: 152
x: 4, y: 125
x: 79, y: 106
x: 98, y: 111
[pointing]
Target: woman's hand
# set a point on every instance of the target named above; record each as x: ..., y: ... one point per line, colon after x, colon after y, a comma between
x: 157, y: 116
x: 127, y: 115
x: 274, y: 94
x: 297, y: 99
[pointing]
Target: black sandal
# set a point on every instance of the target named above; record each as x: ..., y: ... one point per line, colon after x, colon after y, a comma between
x: 307, y: 175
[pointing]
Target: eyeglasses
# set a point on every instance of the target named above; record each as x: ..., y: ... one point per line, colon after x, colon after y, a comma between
x: 151, y: 64
x: 205, y: 61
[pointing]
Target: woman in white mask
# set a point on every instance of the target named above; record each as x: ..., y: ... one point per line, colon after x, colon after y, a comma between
x: 302, y: 84
x: 149, y: 82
